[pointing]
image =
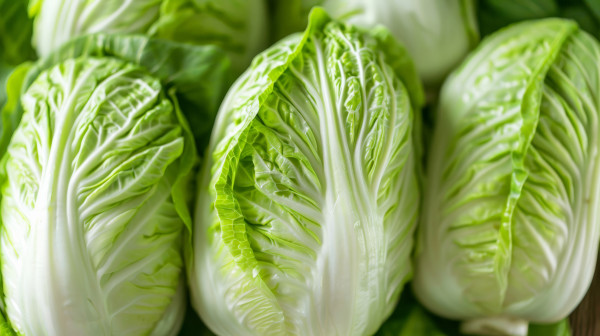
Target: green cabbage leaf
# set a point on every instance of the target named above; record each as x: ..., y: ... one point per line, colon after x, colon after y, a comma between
x: 309, y: 193
x: 510, y: 210
x: 96, y: 184
x: 239, y: 27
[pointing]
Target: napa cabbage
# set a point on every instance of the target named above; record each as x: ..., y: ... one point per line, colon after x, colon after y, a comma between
x: 509, y: 230
x: 309, y: 194
x: 96, y: 183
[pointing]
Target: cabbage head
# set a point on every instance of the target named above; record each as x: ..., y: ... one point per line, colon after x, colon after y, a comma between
x: 309, y: 193
x: 237, y: 26
x: 436, y: 33
x: 95, y: 188
x: 510, y: 222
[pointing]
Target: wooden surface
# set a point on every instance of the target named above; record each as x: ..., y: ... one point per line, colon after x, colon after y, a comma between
x: 585, y: 320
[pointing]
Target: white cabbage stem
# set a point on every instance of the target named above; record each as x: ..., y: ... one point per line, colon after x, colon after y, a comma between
x: 495, y: 326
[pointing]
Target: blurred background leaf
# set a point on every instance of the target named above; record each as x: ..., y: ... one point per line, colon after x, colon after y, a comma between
x: 15, y: 33
x: 495, y: 14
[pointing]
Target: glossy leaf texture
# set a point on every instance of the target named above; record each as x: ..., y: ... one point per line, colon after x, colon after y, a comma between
x: 510, y: 207
x: 92, y: 222
x: 195, y: 77
x: 309, y: 196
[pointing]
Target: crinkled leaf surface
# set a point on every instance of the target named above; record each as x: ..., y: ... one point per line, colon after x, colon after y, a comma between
x: 310, y: 195
x: 91, y: 236
x: 195, y: 78
x: 511, y: 206
x: 423, y: 26
x: 198, y: 75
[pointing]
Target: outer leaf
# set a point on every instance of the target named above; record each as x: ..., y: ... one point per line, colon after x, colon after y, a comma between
x: 237, y: 26
x: 199, y: 75
x: 10, y: 106
x: 194, y: 76
x: 81, y: 17
x: 509, y: 207
x: 15, y: 33
x: 309, y: 198
x: 11, y: 81
x: 91, y: 234
x: 5, y: 71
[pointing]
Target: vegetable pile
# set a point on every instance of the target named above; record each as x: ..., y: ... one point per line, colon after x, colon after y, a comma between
x: 297, y: 167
